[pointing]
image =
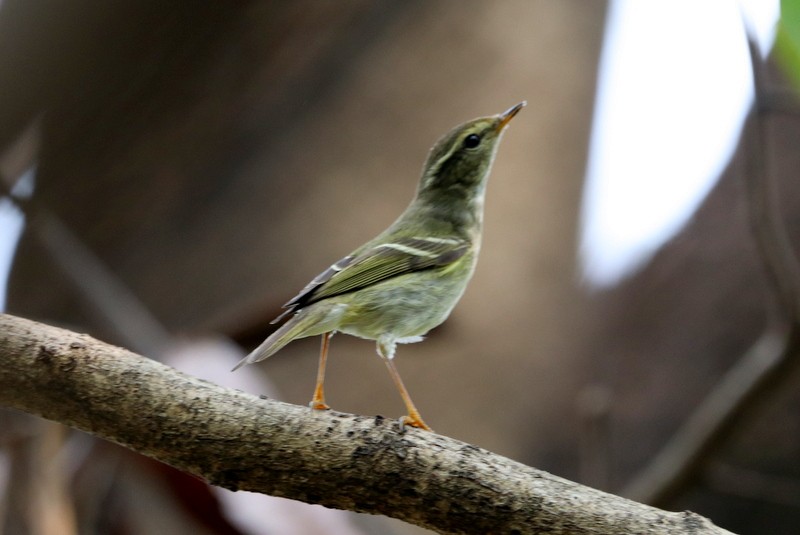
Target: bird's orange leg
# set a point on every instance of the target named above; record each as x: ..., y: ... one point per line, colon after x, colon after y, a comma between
x: 318, y: 401
x: 413, y: 419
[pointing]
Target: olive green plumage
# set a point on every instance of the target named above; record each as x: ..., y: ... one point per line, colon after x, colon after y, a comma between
x: 406, y: 281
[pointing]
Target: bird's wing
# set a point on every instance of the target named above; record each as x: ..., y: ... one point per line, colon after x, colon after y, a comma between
x: 377, y: 263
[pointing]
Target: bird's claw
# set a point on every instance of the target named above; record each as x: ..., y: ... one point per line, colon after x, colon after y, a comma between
x: 413, y: 422
x: 318, y: 405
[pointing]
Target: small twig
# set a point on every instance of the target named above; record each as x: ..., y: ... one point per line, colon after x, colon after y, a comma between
x: 710, y: 425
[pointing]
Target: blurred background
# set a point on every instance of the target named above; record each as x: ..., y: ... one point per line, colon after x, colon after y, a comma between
x: 175, y: 171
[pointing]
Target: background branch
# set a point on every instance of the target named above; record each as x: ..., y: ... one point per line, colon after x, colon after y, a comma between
x: 238, y: 441
x: 768, y: 364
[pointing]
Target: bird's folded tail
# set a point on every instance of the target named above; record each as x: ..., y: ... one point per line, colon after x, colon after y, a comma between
x: 306, y: 322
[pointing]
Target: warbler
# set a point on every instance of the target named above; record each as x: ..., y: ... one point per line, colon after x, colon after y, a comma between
x: 406, y: 281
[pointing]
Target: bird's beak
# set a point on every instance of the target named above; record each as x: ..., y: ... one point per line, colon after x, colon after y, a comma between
x: 506, y: 116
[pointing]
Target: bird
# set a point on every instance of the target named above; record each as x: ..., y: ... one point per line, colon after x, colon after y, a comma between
x: 405, y: 281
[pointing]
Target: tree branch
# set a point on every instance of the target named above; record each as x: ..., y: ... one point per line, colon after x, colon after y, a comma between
x: 238, y: 441
x: 737, y: 395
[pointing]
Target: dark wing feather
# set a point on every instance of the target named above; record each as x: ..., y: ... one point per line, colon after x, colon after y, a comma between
x: 375, y: 264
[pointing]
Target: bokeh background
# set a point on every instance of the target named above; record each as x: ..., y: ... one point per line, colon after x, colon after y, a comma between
x: 186, y: 167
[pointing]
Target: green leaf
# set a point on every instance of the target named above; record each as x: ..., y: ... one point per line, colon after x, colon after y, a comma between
x: 787, y: 42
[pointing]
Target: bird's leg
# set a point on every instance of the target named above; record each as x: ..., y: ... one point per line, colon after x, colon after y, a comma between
x: 318, y: 401
x: 386, y: 351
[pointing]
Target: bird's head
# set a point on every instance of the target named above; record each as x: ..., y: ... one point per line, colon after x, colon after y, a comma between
x: 461, y: 160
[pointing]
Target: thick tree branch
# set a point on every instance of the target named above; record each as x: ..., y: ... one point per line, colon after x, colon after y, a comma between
x: 238, y: 441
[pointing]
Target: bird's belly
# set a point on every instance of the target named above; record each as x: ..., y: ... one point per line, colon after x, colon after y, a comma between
x: 405, y: 306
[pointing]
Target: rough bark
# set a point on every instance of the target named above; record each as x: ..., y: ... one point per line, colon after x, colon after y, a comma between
x: 239, y: 441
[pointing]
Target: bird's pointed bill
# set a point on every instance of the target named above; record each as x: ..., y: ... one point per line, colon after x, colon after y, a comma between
x: 509, y: 114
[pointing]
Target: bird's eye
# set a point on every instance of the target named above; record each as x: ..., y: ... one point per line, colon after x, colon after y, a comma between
x: 472, y: 141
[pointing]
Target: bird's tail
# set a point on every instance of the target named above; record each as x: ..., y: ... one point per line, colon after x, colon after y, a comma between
x: 307, y: 322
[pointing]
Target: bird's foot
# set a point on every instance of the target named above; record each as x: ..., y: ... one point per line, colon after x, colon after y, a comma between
x: 318, y: 405
x: 413, y: 421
